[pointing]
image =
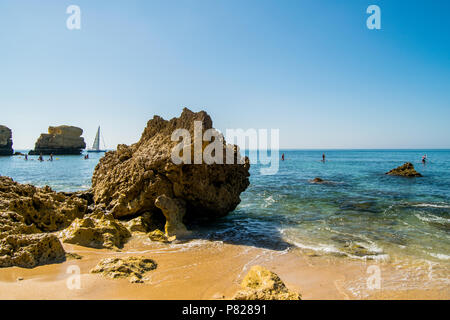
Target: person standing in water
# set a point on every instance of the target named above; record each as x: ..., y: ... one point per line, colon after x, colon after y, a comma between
x: 323, y: 157
x: 282, y: 157
x: 424, y: 159
x: 26, y: 157
x: 40, y: 157
x: 51, y: 157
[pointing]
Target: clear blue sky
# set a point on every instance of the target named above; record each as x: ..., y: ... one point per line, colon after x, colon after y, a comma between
x: 308, y: 67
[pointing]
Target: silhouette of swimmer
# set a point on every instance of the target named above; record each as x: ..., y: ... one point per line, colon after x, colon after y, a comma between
x: 282, y: 157
x: 424, y: 159
x: 323, y: 157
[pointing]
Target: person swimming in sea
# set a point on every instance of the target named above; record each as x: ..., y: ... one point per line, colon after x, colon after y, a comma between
x: 40, y: 157
x: 282, y: 157
x: 424, y: 159
x: 323, y: 157
x: 26, y: 157
x: 51, y: 157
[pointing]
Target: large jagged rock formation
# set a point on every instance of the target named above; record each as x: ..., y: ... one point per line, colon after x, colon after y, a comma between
x: 262, y: 284
x: 405, y: 170
x: 6, y: 141
x: 26, y: 212
x: 142, y: 177
x: 60, y: 141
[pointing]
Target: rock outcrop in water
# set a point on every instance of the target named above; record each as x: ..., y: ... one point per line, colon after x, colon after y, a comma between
x: 318, y: 180
x: 60, y: 140
x: 5, y: 141
x: 262, y: 284
x: 26, y: 212
x: 142, y: 177
x: 405, y: 170
x: 132, y: 268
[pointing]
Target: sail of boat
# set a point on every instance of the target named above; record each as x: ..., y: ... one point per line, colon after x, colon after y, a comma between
x: 96, y: 144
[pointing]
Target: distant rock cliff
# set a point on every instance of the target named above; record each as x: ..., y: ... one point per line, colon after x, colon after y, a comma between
x: 59, y: 141
x: 5, y: 141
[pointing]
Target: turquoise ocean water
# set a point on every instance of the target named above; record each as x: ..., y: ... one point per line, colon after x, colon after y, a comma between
x: 362, y: 214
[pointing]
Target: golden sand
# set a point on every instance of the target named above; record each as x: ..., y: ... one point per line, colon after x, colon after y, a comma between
x: 204, y: 269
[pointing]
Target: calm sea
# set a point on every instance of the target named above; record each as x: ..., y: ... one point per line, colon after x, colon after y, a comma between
x: 362, y: 213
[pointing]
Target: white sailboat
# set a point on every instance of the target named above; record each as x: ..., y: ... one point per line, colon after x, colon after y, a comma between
x: 96, y: 145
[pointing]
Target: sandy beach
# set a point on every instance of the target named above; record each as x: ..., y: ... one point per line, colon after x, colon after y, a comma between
x: 207, y: 270
x: 195, y: 231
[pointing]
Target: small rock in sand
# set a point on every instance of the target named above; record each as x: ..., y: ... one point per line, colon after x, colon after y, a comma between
x: 96, y: 230
x: 73, y: 256
x: 262, y: 284
x: 132, y: 268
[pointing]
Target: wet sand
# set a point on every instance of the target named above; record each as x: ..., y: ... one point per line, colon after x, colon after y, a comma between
x: 204, y: 269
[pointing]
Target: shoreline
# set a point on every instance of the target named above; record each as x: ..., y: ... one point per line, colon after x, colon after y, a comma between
x: 210, y: 270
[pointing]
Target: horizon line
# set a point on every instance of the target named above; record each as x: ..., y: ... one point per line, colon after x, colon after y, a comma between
x: 312, y: 149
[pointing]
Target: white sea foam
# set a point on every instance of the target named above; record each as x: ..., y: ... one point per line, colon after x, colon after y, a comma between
x: 440, y: 256
x: 432, y: 205
x: 268, y: 201
x: 318, y: 247
x: 331, y: 249
x: 432, y: 218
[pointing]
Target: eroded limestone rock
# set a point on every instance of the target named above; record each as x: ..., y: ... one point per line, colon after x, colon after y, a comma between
x: 26, y: 212
x: 145, y: 223
x: 132, y: 268
x: 30, y: 250
x: 405, y: 170
x: 96, y: 230
x: 73, y: 256
x: 174, y: 211
x: 59, y: 141
x: 6, y: 141
x: 130, y: 180
x: 159, y: 236
x: 262, y: 284
x: 42, y: 208
x: 12, y: 223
